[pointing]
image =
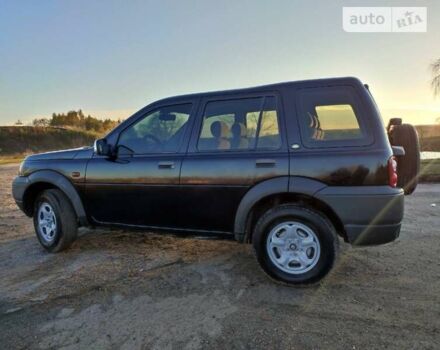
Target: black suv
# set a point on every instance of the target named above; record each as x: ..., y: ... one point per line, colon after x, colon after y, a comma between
x: 288, y: 167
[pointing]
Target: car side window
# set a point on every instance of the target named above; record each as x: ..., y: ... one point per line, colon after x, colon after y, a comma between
x: 331, y: 117
x: 336, y: 122
x: 160, y: 131
x: 268, y: 131
x: 240, y: 124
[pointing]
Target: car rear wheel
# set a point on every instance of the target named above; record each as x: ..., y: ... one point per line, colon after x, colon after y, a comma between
x: 295, y: 244
x: 54, y: 220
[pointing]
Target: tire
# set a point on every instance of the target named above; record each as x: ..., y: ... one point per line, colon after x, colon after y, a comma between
x: 55, y: 220
x: 408, y: 166
x: 392, y: 122
x: 302, y: 220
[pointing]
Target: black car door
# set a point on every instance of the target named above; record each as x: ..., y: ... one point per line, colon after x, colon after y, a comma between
x: 138, y: 185
x: 236, y: 142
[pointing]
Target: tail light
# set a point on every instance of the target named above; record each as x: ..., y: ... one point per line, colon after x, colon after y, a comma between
x: 392, y: 171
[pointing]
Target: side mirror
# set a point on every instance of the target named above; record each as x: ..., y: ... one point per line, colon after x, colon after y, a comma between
x: 102, y: 148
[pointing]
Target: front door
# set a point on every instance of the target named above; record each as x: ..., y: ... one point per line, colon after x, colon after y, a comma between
x: 138, y: 186
x: 236, y: 143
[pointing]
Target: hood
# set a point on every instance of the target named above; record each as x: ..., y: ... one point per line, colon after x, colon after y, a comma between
x: 63, y: 154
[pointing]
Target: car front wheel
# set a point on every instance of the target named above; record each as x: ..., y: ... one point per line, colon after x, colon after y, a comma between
x: 295, y: 244
x: 54, y: 220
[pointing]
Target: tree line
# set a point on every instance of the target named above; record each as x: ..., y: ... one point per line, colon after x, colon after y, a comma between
x: 77, y: 120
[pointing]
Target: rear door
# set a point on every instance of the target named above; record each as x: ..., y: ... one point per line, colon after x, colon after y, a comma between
x: 237, y: 141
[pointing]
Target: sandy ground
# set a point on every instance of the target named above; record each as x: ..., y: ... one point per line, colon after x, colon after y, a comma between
x: 137, y: 290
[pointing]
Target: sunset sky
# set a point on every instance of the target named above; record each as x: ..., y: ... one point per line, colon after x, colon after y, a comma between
x: 110, y: 58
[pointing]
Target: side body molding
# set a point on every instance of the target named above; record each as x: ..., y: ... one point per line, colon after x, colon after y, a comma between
x: 284, y: 184
x: 64, y: 185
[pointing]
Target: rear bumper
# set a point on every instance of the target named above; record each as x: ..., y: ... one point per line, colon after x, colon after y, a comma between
x: 370, y: 214
x: 372, y: 234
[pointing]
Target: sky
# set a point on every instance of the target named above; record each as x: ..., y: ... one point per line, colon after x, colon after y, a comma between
x: 111, y: 58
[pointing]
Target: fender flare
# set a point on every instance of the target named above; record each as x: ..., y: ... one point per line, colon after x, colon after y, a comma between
x: 61, y: 182
x: 279, y: 185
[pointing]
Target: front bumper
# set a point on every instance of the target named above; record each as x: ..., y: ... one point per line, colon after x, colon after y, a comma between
x: 370, y: 214
x: 19, y: 186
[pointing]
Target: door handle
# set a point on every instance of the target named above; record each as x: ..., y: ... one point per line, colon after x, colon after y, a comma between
x: 166, y: 165
x: 265, y: 163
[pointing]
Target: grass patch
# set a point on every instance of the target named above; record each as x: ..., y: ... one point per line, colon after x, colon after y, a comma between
x: 11, y: 160
x: 430, y: 170
x: 28, y: 139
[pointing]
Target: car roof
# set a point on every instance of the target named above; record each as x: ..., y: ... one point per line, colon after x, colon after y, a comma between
x: 275, y: 86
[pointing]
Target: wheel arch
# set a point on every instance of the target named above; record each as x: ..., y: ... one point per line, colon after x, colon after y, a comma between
x: 47, y: 179
x: 282, y: 190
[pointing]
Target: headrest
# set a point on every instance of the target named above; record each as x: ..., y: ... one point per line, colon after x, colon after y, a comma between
x: 313, y: 121
x: 239, y: 130
x: 219, y: 129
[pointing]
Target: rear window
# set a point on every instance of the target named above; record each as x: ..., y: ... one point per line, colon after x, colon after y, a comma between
x: 331, y: 117
x: 336, y: 122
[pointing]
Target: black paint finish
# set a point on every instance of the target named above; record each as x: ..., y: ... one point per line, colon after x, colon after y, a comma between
x: 136, y: 190
x: 214, y: 191
x: 213, y: 185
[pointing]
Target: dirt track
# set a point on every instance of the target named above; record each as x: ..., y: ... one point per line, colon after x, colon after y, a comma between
x: 136, y: 290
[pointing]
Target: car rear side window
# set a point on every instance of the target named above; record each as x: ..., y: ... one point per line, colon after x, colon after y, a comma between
x: 331, y: 117
x: 240, y: 124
